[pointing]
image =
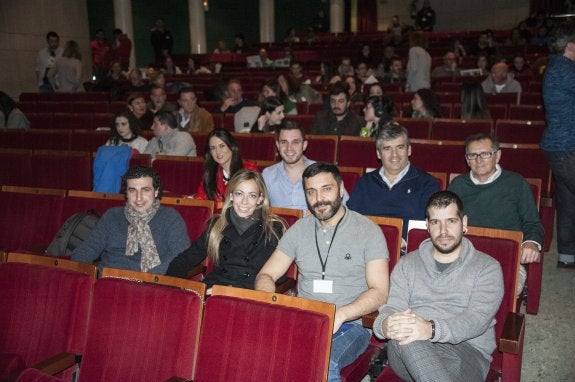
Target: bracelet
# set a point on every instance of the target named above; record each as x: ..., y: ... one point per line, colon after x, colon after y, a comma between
x: 432, y: 329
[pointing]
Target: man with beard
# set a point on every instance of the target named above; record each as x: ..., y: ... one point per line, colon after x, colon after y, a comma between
x: 283, y: 179
x: 339, y: 119
x: 342, y: 259
x: 440, y: 314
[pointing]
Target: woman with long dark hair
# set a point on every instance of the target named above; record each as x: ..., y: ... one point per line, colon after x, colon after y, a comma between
x: 473, y: 103
x: 271, y: 115
x: 222, y: 161
x: 425, y: 104
x: 125, y: 132
x: 240, y: 240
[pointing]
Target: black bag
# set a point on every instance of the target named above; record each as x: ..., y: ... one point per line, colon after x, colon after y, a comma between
x: 74, y: 231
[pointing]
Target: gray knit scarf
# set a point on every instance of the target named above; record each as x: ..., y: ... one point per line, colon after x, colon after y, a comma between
x: 140, y: 236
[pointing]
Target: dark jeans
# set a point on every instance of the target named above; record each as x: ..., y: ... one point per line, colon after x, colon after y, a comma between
x: 562, y: 164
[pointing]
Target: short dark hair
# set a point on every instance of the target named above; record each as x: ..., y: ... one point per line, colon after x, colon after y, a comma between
x: 52, y: 34
x: 563, y: 34
x: 137, y: 172
x: 186, y: 89
x: 319, y: 167
x: 168, y: 118
x: 338, y: 88
x: 289, y: 125
x: 481, y: 136
x: 442, y: 199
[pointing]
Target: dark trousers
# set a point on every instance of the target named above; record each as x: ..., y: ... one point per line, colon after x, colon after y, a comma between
x: 562, y: 164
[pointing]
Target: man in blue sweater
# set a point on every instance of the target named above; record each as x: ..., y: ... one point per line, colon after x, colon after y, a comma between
x: 397, y: 189
x: 558, y: 141
x: 141, y: 236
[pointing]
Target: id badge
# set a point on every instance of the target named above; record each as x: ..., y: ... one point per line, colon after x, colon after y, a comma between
x: 322, y: 286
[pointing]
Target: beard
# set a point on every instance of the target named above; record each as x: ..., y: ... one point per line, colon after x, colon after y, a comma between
x: 329, y: 213
x: 449, y: 249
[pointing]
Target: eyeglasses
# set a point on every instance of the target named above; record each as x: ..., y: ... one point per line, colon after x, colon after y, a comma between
x: 483, y: 155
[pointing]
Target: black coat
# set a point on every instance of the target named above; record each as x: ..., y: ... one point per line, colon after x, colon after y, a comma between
x: 241, y: 256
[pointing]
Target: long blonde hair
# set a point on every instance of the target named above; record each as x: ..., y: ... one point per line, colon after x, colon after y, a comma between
x: 220, y: 223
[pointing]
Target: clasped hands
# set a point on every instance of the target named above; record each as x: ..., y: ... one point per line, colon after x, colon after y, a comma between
x: 406, y: 327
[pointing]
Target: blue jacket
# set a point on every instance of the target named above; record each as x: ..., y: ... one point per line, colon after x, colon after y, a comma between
x: 406, y: 199
x: 559, y: 99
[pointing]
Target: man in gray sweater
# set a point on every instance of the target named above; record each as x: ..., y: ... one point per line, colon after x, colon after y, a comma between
x: 440, y: 314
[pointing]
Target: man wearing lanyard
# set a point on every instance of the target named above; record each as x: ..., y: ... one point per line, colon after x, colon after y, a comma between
x: 342, y: 259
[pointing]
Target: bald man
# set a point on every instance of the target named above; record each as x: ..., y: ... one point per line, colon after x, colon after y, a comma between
x: 500, y: 80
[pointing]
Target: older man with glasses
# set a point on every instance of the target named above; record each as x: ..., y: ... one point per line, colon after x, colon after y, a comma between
x: 496, y: 198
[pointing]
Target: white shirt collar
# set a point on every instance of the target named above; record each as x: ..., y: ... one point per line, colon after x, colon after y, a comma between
x: 397, y: 178
x: 491, y: 179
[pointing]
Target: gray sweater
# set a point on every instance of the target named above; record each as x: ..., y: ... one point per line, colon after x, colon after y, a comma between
x: 462, y: 300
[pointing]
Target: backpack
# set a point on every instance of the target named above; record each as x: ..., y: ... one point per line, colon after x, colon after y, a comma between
x: 73, y: 232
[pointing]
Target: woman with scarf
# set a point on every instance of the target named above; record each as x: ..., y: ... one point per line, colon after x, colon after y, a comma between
x: 238, y: 242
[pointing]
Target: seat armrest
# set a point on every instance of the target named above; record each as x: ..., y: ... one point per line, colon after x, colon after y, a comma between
x: 511, y: 336
x: 57, y: 363
x: 368, y: 319
x: 196, y: 270
x: 285, y: 286
x: 177, y: 379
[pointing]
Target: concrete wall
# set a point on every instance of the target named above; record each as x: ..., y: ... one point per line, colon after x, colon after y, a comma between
x: 23, y: 27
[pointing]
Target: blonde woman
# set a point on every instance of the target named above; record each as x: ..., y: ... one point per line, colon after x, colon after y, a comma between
x: 66, y: 74
x: 240, y: 240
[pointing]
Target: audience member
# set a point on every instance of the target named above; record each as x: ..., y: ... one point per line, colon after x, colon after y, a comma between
x: 125, y: 132
x: 377, y: 112
x: 558, y: 142
x: 233, y: 98
x: 100, y: 55
x: 375, y: 90
x: 364, y: 73
x: 345, y: 68
x: 339, y: 119
x: 272, y: 88
x: 397, y: 189
x: 222, y: 48
x: 45, y: 61
x: 459, y: 51
x: 419, y: 63
x: 500, y: 81
x: 143, y: 236
x: 519, y: 67
x: 449, y: 68
x: 137, y: 83
x: 440, y: 314
x: 222, y: 161
x: 284, y: 179
x: 484, y: 44
x: 354, y: 272
x: 497, y: 198
x: 122, y: 48
x: 11, y: 116
x: 354, y: 89
x: 191, y: 117
x: 291, y: 36
x: 395, y: 73
x: 483, y: 64
x: 265, y: 60
x: 240, y: 44
x: 425, y: 18
x: 168, y: 140
x: 240, y: 240
x: 196, y: 67
x: 296, y: 91
x: 137, y: 105
x: 296, y: 71
x: 66, y: 74
x: 365, y: 56
x: 169, y: 68
x: 515, y: 39
x: 270, y: 116
x: 394, y: 32
x: 162, y: 41
x: 158, y: 100
x: 473, y: 103
x: 425, y: 104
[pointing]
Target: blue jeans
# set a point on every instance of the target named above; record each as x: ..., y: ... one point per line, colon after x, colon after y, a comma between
x: 348, y: 343
x: 562, y: 163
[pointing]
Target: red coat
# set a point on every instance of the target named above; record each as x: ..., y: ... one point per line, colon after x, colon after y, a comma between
x: 220, y: 184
